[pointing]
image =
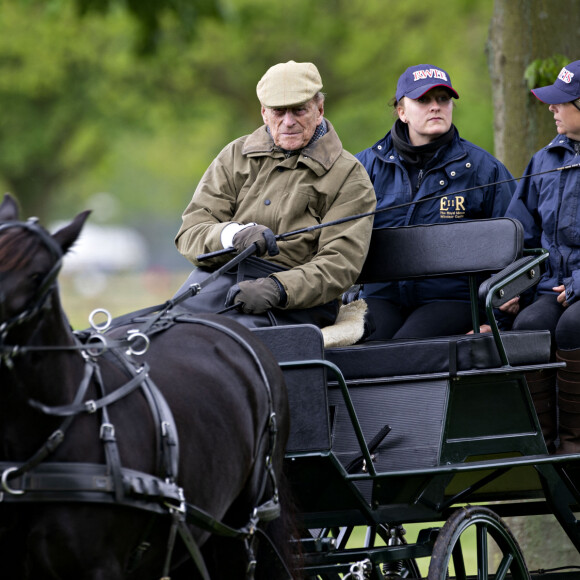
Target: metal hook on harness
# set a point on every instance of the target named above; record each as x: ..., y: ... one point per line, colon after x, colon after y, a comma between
x: 5, y: 485
x: 252, y: 562
x: 133, y: 335
x: 104, y: 325
x: 195, y: 289
x: 96, y: 345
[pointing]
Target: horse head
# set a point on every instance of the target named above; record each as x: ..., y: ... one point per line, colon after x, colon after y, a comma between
x: 30, y: 259
x: 31, y: 322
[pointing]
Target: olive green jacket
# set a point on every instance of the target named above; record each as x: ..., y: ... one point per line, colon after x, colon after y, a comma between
x: 251, y: 180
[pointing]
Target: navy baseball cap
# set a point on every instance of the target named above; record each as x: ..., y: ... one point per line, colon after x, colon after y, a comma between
x: 419, y: 79
x: 566, y: 88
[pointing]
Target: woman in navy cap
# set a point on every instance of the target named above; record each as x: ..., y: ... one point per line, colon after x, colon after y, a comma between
x: 548, y: 205
x: 423, y: 158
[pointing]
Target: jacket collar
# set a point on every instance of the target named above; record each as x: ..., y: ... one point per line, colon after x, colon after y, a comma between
x: 384, y: 149
x: 323, y: 152
x: 561, y: 141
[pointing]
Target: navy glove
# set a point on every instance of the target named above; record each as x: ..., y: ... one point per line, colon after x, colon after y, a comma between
x: 352, y: 294
x: 262, y: 236
x: 254, y: 296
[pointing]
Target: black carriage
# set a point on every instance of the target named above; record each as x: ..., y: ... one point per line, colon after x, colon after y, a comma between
x: 387, y: 434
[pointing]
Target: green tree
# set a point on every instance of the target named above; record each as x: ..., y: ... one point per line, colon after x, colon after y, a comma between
x: 87, y: 115
x: 50, y: 98
x: 70, y: 88
x: 149, y: 14
x: 523, y: 32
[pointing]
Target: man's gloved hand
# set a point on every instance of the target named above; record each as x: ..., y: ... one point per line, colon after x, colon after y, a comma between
x: 262, y: 236
x: 254, y: 296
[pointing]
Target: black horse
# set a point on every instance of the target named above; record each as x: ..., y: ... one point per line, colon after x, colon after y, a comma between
x: 118, y: 463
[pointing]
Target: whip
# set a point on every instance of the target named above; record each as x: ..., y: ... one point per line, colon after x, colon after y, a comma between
x: 282, y: 237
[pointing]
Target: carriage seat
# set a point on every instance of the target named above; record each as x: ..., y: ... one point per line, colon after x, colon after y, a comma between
x: 490, y: 249
x: 445, y: 354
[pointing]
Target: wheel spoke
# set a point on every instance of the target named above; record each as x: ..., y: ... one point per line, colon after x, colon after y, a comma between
x: 459, y: 561
x: 504, y: 567
x: 482, y: 551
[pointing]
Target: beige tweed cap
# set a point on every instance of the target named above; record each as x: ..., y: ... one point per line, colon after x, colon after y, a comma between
x: 289, y: 84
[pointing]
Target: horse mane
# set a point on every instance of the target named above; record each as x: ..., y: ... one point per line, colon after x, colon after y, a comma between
x: 17, y: 249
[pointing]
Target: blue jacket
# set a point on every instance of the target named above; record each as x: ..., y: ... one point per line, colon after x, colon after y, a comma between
x: 457, y: 166
x: 548, y: 206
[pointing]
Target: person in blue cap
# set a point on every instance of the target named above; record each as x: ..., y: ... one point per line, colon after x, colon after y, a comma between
x: 548, y: 205
x: 423, y: 158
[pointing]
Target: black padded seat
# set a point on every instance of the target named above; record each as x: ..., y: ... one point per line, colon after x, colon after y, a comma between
x: 492, y: 248
x: 446, y: 354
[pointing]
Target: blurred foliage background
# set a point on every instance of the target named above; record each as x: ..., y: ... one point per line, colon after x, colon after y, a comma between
x: 96, y: 101
x: 119, y: 106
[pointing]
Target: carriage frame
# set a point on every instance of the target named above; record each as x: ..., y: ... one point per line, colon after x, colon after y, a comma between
x: 425, y: 431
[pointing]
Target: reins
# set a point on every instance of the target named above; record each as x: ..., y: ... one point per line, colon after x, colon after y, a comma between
x: 161, y: 309
x: 428, y: 197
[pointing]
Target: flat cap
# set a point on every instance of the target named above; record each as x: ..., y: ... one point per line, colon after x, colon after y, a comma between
x: 289, y: 84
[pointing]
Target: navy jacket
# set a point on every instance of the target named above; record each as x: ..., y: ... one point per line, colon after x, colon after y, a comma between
x: 548, y: 206
x: 457, y: 166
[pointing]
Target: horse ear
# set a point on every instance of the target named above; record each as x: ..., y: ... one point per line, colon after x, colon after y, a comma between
x: 68, y: 235
x: 8, y: 209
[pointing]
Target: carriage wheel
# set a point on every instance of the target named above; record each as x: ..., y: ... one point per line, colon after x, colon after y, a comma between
x: 448, y: 551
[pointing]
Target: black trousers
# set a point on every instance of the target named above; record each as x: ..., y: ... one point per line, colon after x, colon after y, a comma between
x: 443, y: 318
x: 545, y: 313
x: 213, y: 296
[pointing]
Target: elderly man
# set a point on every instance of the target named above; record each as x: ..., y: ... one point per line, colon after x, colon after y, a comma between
x: 292, y: 173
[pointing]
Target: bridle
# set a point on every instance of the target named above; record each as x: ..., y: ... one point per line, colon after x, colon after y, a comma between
x: 48, y: 283
x: 93, y: 345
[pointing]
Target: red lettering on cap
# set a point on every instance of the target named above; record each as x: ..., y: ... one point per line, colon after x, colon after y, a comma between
x: 419, y: 75
x: 566, y: 76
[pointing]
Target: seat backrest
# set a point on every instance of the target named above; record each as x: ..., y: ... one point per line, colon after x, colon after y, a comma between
x: 442, y: 249
x: 306, y: 383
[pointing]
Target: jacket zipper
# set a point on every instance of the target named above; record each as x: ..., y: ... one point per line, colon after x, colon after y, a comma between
x: 563, y: 266
x: 419, y: 180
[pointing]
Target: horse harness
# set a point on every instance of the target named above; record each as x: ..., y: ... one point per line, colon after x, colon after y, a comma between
x: 111, y: 483
x: 48, y: 284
